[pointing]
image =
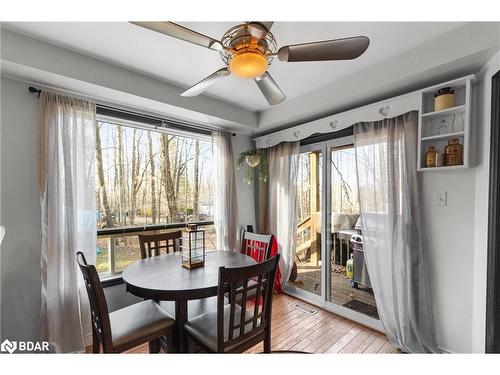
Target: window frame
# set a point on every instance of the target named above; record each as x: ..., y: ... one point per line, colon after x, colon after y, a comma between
x: 113, y: 277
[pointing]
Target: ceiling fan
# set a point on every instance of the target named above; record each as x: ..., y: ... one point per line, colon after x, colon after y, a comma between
x: 248, y: 50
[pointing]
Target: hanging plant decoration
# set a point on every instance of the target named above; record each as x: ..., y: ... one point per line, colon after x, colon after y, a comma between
x: 253, y: 159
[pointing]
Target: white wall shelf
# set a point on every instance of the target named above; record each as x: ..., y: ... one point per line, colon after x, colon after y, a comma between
x: 448, y: 111
x: 444, y: 168
x: 443, y: 136
x: 436, y: 128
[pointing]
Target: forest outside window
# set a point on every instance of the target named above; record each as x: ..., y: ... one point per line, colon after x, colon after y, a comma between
x: 148, y: 181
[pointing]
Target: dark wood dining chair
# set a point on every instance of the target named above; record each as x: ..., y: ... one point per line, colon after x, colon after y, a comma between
x: 156, y: 244
x: 166, y: 243
x: 257, y: 246
x: 234, y: 328
x: 126, y: 328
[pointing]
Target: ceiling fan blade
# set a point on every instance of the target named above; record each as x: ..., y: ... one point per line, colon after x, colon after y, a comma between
x: 181, y: 32
x: 270, y: 89
x: 336, y: 49
x: 205, y: 83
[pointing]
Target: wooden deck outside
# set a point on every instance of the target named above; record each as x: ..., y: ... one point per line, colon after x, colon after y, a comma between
x: 309, y: 279
x: 323, y: 332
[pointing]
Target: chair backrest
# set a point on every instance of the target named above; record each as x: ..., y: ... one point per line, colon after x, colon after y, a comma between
x: 153, y: 244
x: 255, y: 285
x: 257, y: 246
x: 98, y: 306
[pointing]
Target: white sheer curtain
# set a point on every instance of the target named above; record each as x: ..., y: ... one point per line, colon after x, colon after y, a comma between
x: 225, y: 203
x: 278, y: 202
x: 67, y: 147
x: 2, y: 233
x: 386, y: 158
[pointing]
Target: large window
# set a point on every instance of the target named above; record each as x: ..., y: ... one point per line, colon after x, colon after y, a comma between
x: 147, y: 180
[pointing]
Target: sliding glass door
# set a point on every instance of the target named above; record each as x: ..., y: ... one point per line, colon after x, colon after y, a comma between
x: 349, y: 281
x: 329, y: 265
x: 307, y: 274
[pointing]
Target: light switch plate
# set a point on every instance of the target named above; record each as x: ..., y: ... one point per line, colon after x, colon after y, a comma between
x: 440, y: 198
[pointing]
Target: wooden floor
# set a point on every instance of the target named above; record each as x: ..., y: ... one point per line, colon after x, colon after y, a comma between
x: 323, y: 332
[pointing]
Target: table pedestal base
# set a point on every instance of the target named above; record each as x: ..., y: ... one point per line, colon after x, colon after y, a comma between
x: 181, y: 316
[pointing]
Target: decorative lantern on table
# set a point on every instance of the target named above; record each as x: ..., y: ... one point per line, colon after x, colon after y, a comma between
x: 193, y: 247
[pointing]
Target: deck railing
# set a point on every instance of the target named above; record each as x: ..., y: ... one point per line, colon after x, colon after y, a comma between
x: 303, y: 235
x: 119, y: 247
x: 307, y: 238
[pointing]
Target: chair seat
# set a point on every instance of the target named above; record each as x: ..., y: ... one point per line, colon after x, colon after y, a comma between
x: 138, y: 323
x: 204, y: 327
x: 195, y: 307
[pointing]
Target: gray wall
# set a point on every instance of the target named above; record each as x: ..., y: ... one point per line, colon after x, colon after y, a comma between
x: 245, y: 193
x: 449, y: 245
x: 20, y: 213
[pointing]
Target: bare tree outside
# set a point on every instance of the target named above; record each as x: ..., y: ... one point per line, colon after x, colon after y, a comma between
x: 101, y: 192
x: 196, y: 179
x: 152, y: 176
x: 146, y: 177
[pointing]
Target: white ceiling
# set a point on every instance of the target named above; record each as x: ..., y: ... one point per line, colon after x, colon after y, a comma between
x: 184, y: 64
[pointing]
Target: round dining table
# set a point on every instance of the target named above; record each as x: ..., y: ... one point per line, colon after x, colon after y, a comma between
x: 162, y: 278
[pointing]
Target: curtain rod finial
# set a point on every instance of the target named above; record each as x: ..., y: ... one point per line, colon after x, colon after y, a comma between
x: 33, y: 90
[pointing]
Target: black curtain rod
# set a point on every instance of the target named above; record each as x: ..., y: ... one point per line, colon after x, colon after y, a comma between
x: 33, y: 90
x: 149, y: 119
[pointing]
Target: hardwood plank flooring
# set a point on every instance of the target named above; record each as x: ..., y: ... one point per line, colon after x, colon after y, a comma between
x: 322, y: 332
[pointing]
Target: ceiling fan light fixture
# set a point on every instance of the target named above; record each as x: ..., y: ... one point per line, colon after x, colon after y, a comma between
x: 248, y: 65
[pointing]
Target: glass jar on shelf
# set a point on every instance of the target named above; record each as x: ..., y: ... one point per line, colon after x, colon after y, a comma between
x: 453, y: 153
x: 431, y: 157
x: 443, y: 127
x: 458, y: 123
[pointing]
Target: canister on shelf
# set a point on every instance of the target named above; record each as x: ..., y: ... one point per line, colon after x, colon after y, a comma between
x: 431, y: 157
x: 453, y: 153
x: 444, y: 99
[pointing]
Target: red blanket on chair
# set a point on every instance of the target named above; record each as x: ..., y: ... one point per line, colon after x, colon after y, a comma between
x: 277, y: 282
x: 274, y: 250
